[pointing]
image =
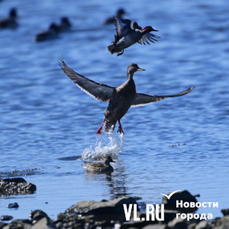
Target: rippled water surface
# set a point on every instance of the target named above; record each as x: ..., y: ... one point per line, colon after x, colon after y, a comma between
x: 47, y: 124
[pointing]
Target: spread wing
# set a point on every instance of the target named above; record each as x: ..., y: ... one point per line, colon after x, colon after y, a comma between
x: 144, y: 99
x: 122, y: 26
x: 135, y: 25
x: 147, y: 38
x: 98, y: 91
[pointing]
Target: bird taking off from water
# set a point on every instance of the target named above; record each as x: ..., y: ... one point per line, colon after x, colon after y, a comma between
x: 127, y: 35
x: 119, y: 99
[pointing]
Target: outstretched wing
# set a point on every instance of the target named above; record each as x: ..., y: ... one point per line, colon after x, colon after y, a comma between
x: 144, y: 99
x: 122, y: 26
x: 98, y: 91
x: 147, y: 38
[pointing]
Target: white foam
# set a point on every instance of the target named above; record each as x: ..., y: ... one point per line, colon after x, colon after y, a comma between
x: 106, y: 144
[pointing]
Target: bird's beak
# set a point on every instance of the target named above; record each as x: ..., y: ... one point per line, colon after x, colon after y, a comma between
x: 140, y: 69
x: 113, y: 161
x: 154, y: 30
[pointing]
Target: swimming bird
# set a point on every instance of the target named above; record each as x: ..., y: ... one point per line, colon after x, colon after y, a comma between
x: 127, y: 35
x: 50, y: 34
x: 64, y: 26
x: 120, y: 98
x: 119, y: 14
x: 10, y: 22
x: 99, y: 167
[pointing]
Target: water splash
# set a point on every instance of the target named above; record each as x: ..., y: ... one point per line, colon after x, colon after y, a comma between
x: 106, y: 144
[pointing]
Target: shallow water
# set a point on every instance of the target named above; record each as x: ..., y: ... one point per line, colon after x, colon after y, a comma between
x: 48, y: 125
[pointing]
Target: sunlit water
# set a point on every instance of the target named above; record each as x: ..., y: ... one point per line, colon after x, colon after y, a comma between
x: 48, y: 125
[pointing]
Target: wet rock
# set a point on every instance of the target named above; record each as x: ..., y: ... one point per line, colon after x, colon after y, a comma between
x: 103, y: 210
x: 222, y: 223
x: 203, y: 225
x: 156, y: 226
x: 191, y: 226
x: 44, y: 223
x: 6, y: 217
x: 177, y: 223
x: 37, y: 215
x: 2, y: 225
x: 13, y: 186
x: 184, y: 196
x: 65, y: 221
x: 169, y: 215
x: 225, y: 212
x: 133, y: 224
x: 19, y: 224
x: 13, y: 205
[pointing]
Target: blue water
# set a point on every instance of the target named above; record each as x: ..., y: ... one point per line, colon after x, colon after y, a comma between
x: 47, y: 123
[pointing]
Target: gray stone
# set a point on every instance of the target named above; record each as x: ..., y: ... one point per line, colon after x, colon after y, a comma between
x: 13, y: 205
x: 223, y: 223
x: 185, y: 196
x: 177, y: 223
x: 14, y: 186
x: 36, y: 215
x: 191, y: 226
x: 19, y: 223
x: 103, y: 210
x: 2, y: 225
x: 134, y: 225
x: 155, y: 226
x: 64, y: 221
x: 225, y: 212
x: 6, y: 217
x: 44, y: 223
x: 202, y: 225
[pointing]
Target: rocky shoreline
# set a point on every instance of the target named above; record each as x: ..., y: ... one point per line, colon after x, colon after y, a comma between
x: 123, y: 213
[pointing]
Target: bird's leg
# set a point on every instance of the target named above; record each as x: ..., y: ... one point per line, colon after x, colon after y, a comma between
x: 101, y: 127
x: 120, y: 53
x: 120, y: 128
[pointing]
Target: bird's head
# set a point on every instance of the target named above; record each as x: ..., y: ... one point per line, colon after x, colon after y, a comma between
x: 108, y: 159
x: 13, y: 13
x: 120, y: 12
x: 53, y: 28
x: 65, y: 21
x: 132, y: 68
x: 148, y: 29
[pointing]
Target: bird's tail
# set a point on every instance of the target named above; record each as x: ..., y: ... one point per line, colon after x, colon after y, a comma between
x: 111, y: 48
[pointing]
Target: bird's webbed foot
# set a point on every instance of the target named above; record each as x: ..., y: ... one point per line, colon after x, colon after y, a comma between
x: 101, y: 127
x: 120, y: 53
x: 120, y: 130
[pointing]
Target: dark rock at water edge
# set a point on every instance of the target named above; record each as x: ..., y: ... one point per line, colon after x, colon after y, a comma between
x: 2, y: 225
x: 18, y: 224
x: 225, y: 212
x: 36, y: 215
x: 109, y: 214
x: 181, y: 196
x: 13, y: 205
x: 102, y: 210
x: 6, y: 217
x: 14, y: 186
